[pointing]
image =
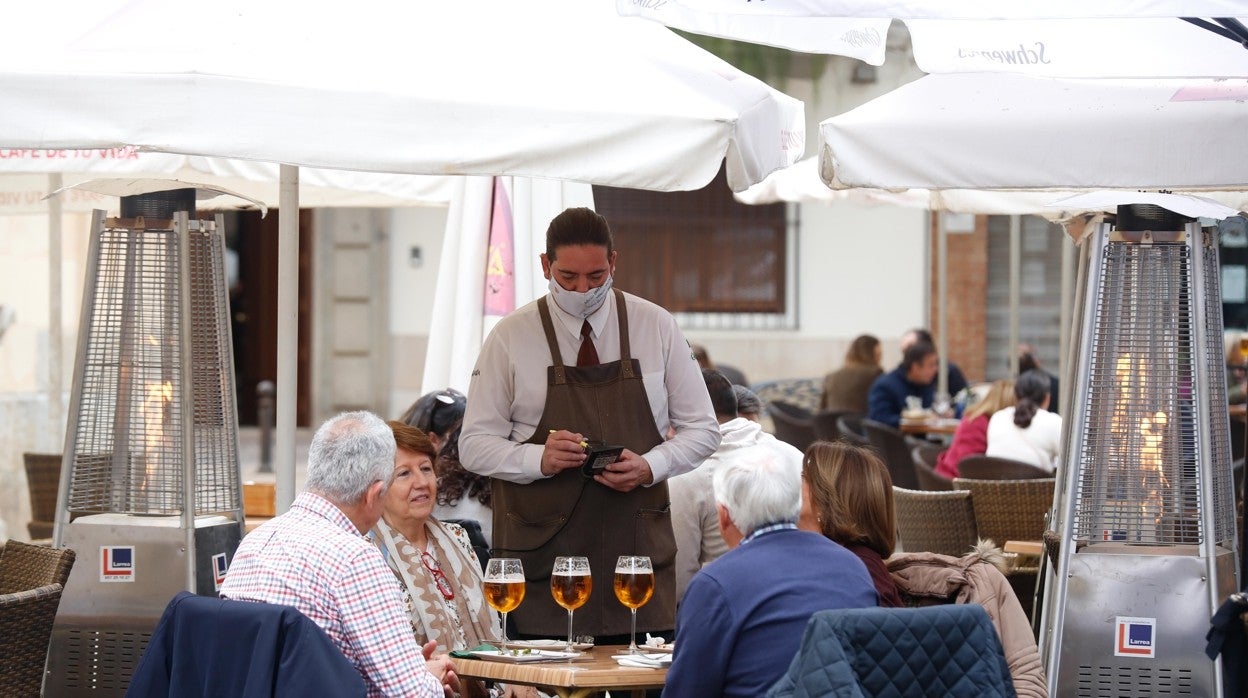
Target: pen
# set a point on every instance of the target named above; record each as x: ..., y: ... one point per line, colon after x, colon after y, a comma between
x: 584, y: 444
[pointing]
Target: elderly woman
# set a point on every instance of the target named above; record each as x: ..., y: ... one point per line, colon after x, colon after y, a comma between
x: 847, y: 495
x: 434, y: 561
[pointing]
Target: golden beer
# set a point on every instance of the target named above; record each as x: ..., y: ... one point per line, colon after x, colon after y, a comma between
x: 571, y: 590
x: 504, y: 597
x: 634, y: 589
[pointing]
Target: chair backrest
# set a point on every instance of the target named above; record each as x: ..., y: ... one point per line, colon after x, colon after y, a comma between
x: 792, y: 424
x: 24, y: 566
x: 895, y: 451
x: 935, y: 522
x: 205, y: 646
x: 934, y: 651
x: 475, y: 536
x: 924, y: 459
x: 997, y: 468
x: 26, y: 619
x: 1008, y: 510
x: 851, y: 430
x: 803, y: 392
x: 826, y: 424
x: 43, y: 476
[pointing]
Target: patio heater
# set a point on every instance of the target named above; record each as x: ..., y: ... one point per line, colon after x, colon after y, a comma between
x: 149, y: 495
x: 1146, y: 515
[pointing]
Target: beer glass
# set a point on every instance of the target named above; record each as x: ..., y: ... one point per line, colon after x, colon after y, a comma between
x: 571, y: 585
x: 634, y: 585
x: 504, y: 587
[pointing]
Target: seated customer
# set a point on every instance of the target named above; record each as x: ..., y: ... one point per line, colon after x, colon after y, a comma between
x: 694, y: 518
x: 315, y: 557
x: 913, y: 378
x: 749, y: 405
x: 956, y: 379
x: 742, y: 617
x: 434, y: 561
x: 846, y: 388
x: 461, y: 494
x: 1027, y: 432
x: 971, y: 436
x: 847, y: 495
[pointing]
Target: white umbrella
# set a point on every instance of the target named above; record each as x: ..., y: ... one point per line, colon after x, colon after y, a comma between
x: 562, y: 89
x: 995, y: 131
x: 1072, y: 38
x: 565, y: 89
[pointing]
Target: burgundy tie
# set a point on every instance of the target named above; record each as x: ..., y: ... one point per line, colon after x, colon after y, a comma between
x: 588, y: 355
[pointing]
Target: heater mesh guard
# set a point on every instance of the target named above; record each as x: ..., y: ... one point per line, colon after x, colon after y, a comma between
x: 128, y: 428
x: 1141, y: 456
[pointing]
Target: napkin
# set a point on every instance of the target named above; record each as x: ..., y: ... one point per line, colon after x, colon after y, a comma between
x: 467, y: 654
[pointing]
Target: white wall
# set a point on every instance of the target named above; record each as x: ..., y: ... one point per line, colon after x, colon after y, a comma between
x: 411, y: 296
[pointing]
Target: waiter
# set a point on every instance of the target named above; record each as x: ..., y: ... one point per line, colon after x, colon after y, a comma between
x: 586, y: 363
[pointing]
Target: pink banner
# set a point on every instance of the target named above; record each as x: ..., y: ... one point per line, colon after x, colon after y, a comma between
x: 500, y: 269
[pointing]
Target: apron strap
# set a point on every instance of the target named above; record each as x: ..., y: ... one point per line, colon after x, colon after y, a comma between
x: 556, y: 361
x: 626, y: 359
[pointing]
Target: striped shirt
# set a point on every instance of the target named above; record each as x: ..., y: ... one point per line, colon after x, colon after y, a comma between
x: 768, y: 528
x: 313, y: 558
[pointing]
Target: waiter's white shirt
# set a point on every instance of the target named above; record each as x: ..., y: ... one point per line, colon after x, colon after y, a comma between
x: 507, y: 393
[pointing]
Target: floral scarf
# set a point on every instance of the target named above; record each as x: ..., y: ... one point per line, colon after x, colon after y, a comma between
x: 459, y: 623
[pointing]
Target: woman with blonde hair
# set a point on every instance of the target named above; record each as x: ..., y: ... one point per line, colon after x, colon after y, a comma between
x: 847, y: 495
x: 971, y: 436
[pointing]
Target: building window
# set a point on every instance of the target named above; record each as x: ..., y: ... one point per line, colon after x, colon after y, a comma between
x: 701, y: 251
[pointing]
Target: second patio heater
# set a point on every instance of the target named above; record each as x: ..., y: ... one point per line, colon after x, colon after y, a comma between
x: 1147, y: 520
x: 149, y: 496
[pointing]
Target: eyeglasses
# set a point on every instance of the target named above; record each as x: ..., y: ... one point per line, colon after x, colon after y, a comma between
x: 443, y: 584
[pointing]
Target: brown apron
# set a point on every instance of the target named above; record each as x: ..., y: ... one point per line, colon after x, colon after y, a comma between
x: 570, y: 514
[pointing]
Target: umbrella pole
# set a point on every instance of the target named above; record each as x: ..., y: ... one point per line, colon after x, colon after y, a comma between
x: 1016, y: 265
x: 287, y: 335
x: 56, y: 389
x: 942, y: 304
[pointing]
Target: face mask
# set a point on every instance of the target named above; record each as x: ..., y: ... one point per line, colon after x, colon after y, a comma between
x: 578, y: 304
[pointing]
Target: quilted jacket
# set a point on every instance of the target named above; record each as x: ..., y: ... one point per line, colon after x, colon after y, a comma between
x: 947, y: 651
x: 974, y: 579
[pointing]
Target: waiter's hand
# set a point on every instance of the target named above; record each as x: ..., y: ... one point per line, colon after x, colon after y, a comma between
x: 626, y: 474
x: 563, y: 450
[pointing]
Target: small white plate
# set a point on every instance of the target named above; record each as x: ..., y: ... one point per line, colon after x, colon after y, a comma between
x: 532, y: 656
x: 548, y: 644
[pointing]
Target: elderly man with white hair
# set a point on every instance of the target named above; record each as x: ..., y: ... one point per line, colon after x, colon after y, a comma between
x: 742, y: 617
x: 315, y: 558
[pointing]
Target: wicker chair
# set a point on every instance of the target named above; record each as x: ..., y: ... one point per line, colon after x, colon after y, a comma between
x: 26, y: 619
x: 43, y: 476
x: 938, y: 522
x: 793, y: 424
x: 850, y: 428
x: 996, y: 468
x: 24, y: 566
x: 31, y: 580
x: 894, y: 450
x: 924, y: 459
x: 826, y: 424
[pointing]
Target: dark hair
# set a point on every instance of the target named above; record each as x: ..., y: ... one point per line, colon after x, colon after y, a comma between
x: 454, y: 482
x: 915, y: 353
x: 578, y: 226
x: 922, y: 335
x: 747, y: 401
x: 1027, y: 362
x: 851, y: 491
x: 1031, y: 388
x: 437, y: 412
x: 723, y: 399
x: 700, y: 355
x: 862, y: 350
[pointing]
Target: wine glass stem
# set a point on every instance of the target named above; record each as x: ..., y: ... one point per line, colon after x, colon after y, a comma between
x: 632, y: 638
x: 569, y: 630
x: 504, y: 630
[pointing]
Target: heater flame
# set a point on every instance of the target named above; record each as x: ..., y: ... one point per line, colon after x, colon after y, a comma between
x: 1141, y: 445
x: 155, y: 412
